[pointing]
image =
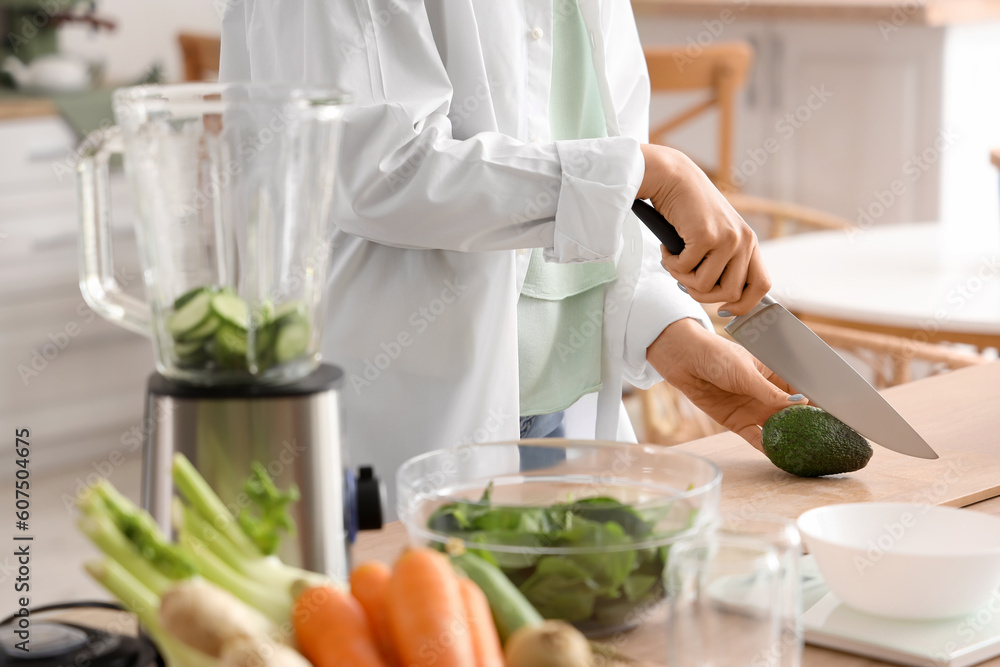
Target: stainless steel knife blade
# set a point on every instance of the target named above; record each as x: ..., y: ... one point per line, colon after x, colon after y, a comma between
x: 789, y: 348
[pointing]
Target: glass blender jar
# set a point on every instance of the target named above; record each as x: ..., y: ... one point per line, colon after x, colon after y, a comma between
x: 233, y: 185
x: 234, y: 189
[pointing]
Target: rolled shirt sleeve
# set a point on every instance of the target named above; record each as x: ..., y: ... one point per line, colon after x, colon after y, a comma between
x: 600, y: 178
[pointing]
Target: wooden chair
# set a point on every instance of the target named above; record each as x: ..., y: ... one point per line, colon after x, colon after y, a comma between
x: 772, y: 219
x: 201, y: 56
x: 718, y: 69
x: 890, y: 357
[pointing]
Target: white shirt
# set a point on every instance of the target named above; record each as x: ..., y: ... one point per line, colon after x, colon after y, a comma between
x: 446, y: 176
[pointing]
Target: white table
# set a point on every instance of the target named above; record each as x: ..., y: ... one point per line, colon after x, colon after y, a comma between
x: 893, y: 279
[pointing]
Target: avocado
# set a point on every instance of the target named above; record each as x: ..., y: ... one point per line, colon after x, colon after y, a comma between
x: 809, y: 442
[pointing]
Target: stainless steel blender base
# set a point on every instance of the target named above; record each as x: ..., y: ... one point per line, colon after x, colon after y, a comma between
x: 295, y: 430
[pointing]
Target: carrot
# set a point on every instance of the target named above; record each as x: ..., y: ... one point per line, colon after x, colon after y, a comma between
x: 370, y: 586
x: 332, y: 631
x: 426, y: 612
x: 485, y: 639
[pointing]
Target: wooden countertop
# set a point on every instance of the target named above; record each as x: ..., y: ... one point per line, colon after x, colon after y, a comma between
x: 955, y: 412
x: 926, y: 13
x: 13, y: 107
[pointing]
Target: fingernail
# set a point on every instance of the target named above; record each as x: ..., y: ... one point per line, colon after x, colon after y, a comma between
x: 725, y: 313
x: 795, y: 397
x: 682, y: 288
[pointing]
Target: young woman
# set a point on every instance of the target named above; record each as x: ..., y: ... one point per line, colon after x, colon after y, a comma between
x: 487, y: 272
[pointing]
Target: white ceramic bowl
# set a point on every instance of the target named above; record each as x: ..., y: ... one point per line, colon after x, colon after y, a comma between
x: 904, y: 560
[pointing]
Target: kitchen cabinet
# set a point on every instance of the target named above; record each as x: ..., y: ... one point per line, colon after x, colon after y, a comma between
x: 74, y: 379
x: 32, y: 149
x: 878, y: 121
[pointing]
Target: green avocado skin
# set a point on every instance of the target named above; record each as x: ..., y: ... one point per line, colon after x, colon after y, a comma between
x: 809, y: 442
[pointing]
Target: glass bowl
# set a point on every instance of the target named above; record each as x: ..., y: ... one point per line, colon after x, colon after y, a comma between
x: 582, y: 527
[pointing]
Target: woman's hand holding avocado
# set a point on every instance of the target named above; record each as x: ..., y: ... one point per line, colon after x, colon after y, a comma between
x: 720, y: 377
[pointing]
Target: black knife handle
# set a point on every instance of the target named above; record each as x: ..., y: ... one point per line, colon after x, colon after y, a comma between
x: 662, y: 229
x: 657, y: 224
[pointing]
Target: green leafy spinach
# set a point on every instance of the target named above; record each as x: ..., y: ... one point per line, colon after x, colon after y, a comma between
x: 601, y: 586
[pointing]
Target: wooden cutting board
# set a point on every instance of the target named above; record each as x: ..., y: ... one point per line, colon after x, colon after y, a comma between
x: 957, y: 413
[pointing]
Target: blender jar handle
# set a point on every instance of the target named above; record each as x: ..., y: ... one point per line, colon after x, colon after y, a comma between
x: 100, y: 287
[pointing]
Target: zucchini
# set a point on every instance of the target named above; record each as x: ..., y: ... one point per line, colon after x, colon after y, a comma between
x: 511, y: 610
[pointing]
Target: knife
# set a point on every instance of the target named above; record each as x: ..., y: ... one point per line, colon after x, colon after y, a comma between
x: 789, y: 348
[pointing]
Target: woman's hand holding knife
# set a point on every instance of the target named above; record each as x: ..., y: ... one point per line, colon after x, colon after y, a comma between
x: 720, y: 261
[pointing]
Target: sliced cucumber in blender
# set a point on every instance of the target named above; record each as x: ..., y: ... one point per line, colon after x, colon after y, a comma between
x: 191, y: 315
x: 264, y: 338
x: 289, y: 311
x: 231, y: 341
x: 188, y: 348
x: 180, y: 301
x: 231, y: 309
x: 211, y: 329
x: 292, y: 340
x: 263, y: 312
x: 202, y: 331
x: 231, y: 347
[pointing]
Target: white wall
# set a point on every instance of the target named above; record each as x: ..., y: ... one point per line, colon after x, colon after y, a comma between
x: 147, y: 32
x: 970, y: 207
